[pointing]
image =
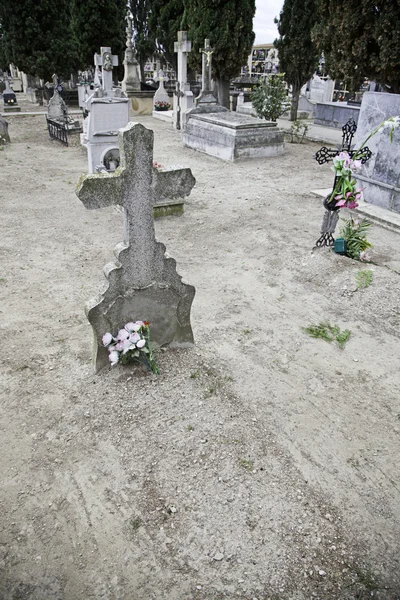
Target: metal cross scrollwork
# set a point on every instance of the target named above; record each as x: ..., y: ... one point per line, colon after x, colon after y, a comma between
x: 323, y: 155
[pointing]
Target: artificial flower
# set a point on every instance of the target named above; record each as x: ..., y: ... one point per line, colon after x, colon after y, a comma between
x: 122, y: 335
x: 107, y: 339
x: 141, y: 343
x: 114, y: 358
x: 134, y: 337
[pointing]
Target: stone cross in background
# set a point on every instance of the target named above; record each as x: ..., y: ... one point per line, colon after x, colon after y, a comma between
x: 183, y: 95
x: 106, y: 61
x: 206, y: 95
x: 131, y: 81
x: 143, y: 284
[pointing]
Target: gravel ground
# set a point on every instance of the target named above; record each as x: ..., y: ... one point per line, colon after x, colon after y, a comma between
x: 262, y: 464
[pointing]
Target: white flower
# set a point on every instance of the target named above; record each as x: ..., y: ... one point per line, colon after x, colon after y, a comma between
x: 141, y: 343
x: 130, y: 347
x: 113, y: 357
x: 393, y: 122
x: 107, y: 339
x: 134, y: 337
x: 130, y: 327
x: 122, y: 335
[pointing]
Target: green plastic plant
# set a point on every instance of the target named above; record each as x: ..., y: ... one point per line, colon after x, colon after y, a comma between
x: 270, y: 99
x: 354, y: 231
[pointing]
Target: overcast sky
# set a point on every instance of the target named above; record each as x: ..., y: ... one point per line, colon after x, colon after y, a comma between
x: 264, y: 26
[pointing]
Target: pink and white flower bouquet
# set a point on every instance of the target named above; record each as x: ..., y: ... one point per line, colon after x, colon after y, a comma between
x: 131, y: 345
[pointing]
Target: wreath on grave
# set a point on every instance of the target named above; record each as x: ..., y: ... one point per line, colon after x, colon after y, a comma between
x: 161, y: 105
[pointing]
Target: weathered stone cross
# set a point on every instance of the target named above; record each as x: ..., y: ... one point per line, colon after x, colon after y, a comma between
x: 183, y: 95
x: 142, y: 283
x: 106, y: 61
x: 206, y: 52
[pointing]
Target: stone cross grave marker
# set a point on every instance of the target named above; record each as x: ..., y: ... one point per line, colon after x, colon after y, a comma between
x: 206, y: 94
x: 183, y: 95
x: 131, y: 81
x: 331, y: 215
x: 106, y: 61
x: 142, y: 284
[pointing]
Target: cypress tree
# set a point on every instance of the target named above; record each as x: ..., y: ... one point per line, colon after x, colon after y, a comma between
x: 228, y: 24
x: 36, y: 37
x: 360, y: 38
x: 143, y: 37
x: 97, y: 23
x: 298, y: 54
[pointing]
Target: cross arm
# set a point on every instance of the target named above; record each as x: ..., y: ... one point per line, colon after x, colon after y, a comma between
x: 325, y: 154
x: 100, y: 190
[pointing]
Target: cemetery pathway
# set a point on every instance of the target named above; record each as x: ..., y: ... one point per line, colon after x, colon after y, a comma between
x: 262, y: 463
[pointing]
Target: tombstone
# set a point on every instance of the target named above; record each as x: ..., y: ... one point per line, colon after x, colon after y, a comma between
x: 161, y: 99
x: 183, y: 96
x: 142, y: 284
x: 213, y: 129
x: 131, y: 80
x: 108, y: 111
x: 57, y: 112
x: 9, y: 98
x: 4, y: 135
x: 380, y: 177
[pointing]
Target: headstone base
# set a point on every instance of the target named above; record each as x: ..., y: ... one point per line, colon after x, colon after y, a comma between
x: 12, y: 109
x: 230, y: 136
x: 163, y: 115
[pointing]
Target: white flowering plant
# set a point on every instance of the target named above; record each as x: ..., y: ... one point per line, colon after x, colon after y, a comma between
x: 131, y: 345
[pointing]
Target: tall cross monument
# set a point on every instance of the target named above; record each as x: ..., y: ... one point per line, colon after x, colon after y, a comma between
x: 183, y: 95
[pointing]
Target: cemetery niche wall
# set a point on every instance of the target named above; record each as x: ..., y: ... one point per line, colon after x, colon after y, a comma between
x: 213, y: 129
x: 142, y: 284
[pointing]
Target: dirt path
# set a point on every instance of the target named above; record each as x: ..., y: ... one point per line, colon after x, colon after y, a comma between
x: 260, y: 464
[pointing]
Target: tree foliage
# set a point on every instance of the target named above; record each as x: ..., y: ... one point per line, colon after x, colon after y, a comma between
x: 270, y: 99
x: 360, y: 38
x: 144, y: 39
x: 97, y: 23
x: 298, y: 54
x: 165, y: 21
x: 37, y: 36
x: 43, y: 37
x: 228, y: 24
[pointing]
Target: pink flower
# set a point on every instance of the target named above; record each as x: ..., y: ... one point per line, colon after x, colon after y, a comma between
x: 130, y: 327
x: 352, y: 204
x: 111, y: 348
x: 141, y: 343
x: 364, y: 256
x: 107, y: 339
x: 341, y: 203
x: 113, y: 358
x: 122, y: 345
x: 122, y: 335
x: 356, y: 166
x: 134, y: 337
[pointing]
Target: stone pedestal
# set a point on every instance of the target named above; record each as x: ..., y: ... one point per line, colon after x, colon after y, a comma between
x: 230, y: 136
x: 107, y: 115
x: 380, y: 176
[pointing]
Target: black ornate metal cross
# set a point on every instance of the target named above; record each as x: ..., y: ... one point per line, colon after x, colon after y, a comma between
x: 323, y: 155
